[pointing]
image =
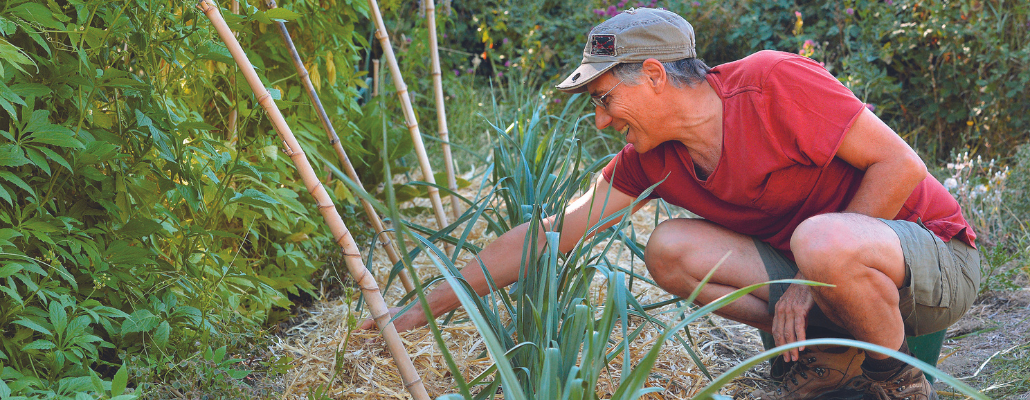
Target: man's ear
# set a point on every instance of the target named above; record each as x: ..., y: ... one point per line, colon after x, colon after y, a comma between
x: 654, y: 74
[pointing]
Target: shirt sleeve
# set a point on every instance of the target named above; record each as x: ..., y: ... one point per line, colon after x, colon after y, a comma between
x: 810, y: 111
x: 625, y: 173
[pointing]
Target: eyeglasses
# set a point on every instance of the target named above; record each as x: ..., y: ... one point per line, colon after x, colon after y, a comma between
x: 599, y: 101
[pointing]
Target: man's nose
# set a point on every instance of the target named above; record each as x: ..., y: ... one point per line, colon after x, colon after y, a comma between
x: 601, y: 117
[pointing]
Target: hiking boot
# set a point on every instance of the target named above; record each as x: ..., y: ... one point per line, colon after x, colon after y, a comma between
x: 908, y: 383
x: 820, y: 372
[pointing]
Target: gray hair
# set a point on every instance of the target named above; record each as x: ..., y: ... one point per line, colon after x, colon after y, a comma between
x: 687, y: 71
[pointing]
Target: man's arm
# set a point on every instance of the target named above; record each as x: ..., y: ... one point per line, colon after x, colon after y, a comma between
x: 502, y: 257
x: 892, y: 168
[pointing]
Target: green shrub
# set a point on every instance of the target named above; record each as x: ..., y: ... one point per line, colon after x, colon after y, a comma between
x: 148, y: 223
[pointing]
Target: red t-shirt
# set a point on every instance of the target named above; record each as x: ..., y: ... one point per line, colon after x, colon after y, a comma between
x: 784, y: 117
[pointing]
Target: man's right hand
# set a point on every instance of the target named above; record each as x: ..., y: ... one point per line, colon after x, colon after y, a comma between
x: 412, y: 319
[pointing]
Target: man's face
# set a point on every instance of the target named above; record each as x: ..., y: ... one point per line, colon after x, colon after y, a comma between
x: 625, y: 109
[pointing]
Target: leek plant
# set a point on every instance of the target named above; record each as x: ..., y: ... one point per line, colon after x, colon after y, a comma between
x: 548, y: 337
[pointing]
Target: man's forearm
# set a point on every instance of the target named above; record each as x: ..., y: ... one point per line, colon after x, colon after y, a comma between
x: 501, y: 257
x: 886, y: 186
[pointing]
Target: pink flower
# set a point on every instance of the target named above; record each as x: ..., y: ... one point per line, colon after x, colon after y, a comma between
x: 654, y: 3
x: 457, y: 72
x: 871, y: 107
x: 622, y: 4
x: 809, y: 42
x: 556, y: 100
x: 696, y: 4
x: 599, y: 12
x: 500, y: 75
x: 507, y: 63
x: 505, y: 41
x: 612, y: 11
x: 890, y: 2
x: 797, y: 14
x: 469, y: 71
x: 850, y: 11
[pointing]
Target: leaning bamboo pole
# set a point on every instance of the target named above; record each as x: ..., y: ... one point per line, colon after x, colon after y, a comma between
x: 409, y: 117
x: 441, y: 112
x: 351, y: 254
x: 334, y: 140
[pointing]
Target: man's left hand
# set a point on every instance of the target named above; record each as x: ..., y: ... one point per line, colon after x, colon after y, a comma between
x: 790, y: 320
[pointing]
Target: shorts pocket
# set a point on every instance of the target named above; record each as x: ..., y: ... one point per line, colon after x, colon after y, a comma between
x: 932, y: 268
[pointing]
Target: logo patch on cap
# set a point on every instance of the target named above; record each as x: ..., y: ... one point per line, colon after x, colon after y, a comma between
x: 602, y: 45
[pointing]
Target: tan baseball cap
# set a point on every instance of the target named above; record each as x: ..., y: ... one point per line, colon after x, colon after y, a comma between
x: 631, y: 37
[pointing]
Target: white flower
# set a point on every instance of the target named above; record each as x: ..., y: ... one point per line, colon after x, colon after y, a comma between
x: 950, y: 183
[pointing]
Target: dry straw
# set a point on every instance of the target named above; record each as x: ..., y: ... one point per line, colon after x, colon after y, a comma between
x: 334, y: 140
x: 409, y: 117
x: 351, y: 254
x: 441, y: 112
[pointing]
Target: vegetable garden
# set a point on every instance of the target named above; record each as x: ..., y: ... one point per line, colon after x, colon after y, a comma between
x: 156, y: 242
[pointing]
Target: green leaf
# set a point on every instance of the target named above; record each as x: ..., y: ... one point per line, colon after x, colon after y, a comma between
x: 12, y: 156
x: 254, y: 197
x: 9, y: 270
x: 58, y: 317
x: 140, y: 321
x: 31, y: 89
x: 5, y: 195
x: 281, y: 14
x: 36, y: 13
x: 140, y: 226
x: 121, y: 378
x: 10, y: 177
x: 161, y: 334
x: 56, y: 135
x: 56, y: 157
x: 28, y: 323
x: 39, y: 345
x: 14, y: 55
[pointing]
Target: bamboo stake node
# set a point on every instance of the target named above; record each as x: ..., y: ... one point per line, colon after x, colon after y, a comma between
x: 410, y: 384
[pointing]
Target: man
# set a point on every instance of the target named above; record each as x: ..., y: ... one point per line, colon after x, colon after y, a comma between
x: 793, y: 177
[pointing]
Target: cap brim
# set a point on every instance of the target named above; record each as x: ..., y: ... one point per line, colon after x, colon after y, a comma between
x: 578, y: 79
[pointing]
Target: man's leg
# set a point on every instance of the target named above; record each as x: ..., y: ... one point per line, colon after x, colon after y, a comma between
x: 681, y: 252
x: 866, y: 259
x: 863, y: 258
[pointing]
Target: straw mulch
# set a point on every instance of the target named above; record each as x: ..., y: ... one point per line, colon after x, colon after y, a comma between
x: 355, y: 364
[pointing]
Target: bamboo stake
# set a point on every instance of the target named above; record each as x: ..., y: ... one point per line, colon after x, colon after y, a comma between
x: 409, y: 117
x: 441, y: 113
x: 334, y: 140
x: 352, y: 256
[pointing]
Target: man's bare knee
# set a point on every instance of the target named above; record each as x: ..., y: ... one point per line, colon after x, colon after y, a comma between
x: 668, y: 251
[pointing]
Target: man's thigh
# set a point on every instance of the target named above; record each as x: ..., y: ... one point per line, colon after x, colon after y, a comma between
x: 696, y: 246
x: 942, y: 278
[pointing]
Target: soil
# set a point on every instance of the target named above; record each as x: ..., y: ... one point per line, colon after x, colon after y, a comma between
x: 996, y: 329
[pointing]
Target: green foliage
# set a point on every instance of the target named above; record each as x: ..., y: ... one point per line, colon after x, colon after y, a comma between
x: 148, y: 224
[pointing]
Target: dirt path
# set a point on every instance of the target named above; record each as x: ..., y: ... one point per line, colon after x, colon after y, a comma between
x: 980, y: 347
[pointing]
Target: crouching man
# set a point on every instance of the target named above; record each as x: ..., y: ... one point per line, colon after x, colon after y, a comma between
x: 793, y: 177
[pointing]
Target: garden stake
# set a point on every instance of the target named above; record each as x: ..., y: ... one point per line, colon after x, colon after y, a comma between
x: 409, y: 118
x: 334, y: 140
x: 441, y: 113
x: 352, y: 256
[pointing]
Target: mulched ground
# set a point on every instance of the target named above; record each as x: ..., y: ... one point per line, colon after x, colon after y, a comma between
x: 355, y: 364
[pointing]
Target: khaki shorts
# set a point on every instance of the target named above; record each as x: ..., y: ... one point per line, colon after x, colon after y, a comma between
x: 941, y: 280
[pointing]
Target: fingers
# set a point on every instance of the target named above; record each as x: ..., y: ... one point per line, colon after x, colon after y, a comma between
x: 369, y: 323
